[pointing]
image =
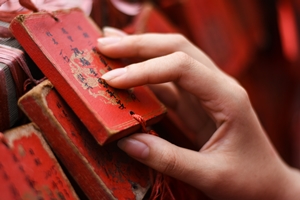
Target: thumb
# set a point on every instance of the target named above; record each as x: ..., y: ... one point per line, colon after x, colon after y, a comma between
x: 159, y: 154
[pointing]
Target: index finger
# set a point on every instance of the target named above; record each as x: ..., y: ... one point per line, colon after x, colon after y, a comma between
x: 150, y: 45
x: 219, y: 94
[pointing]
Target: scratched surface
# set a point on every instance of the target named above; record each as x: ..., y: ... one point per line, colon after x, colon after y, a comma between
x: 64, y: 50
x: 28, y: 168
x: 103, y: 172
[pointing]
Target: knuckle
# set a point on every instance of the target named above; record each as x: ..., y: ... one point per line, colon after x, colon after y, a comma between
x: 183, y: 59
x: 179, y: 40
x: 146, y: 67
x: 137, y: 38
x: 181, y: 55
x: 169, y: 161
x: 237, y: 90
x: 242, y: 96
x: 182, y: 65
x: 234, y: 97
x: 240, y: 101
x: 138, y: 41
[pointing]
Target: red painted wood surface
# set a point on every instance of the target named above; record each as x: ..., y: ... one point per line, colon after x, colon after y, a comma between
x: 64, y: 49
x: 103, y: 172
x: 29, y: 169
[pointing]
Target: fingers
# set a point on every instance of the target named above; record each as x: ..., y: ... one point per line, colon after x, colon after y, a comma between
x: 219, y: 94
x: 139, y: 46
x: 148, y: 46
x: 174, y: 67
x: 157, y: 70
x: 165, y: 157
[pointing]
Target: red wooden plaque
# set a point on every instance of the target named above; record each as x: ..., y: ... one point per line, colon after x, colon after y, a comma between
x: 28, y: 168
x: 63, y: 47
x: 103, y: 172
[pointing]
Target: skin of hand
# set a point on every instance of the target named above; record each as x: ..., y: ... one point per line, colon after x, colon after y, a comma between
x: 238, y: 161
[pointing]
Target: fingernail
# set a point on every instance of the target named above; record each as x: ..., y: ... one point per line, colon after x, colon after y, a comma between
x: 134, y: 148
x: 109, y: 40
x: 114, y: 73
x: 110, y: 31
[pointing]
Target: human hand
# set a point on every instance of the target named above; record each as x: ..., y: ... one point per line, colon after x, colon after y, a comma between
x: 238, y: 161
x: 183, y: 107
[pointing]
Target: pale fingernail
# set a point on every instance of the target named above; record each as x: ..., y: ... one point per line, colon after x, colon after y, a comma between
x: 114, y: 73
x: 108, y: 40
x: 110, y: 31
x: 134, y: 148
